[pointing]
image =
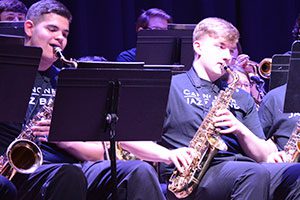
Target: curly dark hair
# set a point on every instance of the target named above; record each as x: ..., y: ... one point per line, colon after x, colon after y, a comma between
x: 13, y: 6
x: 143, y: 19
x: 42, y: 7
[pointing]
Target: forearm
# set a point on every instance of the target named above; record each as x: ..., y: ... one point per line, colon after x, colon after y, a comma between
x: 84, y: 151
x: 256, y: 148
x: 147, y: 150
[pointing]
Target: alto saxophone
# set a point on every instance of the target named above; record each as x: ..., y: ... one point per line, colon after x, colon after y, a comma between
x: 292, y: 147
x: 23, y: 155
x: 207, y: 141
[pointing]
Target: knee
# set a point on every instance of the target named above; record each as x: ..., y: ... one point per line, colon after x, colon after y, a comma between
x: 71, y: 173
x: 7, y: 189
x: 143, y: 168
x: 292, y: 174
x: 67, y: 180
x: 70, y: 169
x: 258, y: 173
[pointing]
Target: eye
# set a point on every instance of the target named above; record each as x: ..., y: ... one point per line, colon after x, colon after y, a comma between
x: 221, y: 46
x: 10, y: 18
x: 65, y: 34
x: 52, y: 28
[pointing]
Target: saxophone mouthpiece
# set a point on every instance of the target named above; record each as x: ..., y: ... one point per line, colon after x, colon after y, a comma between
x: 227, y: 68
x: 58, y: 52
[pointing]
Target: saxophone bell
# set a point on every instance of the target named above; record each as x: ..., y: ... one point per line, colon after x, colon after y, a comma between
x: 24, y: 156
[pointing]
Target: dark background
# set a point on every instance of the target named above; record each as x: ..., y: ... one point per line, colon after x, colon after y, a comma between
x: 107, y: 27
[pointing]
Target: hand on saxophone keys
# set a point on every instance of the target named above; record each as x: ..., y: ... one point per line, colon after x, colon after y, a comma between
x: 41, y: 130
x: 224, y: 118
x: 182, y: 158
x: 277, y: 157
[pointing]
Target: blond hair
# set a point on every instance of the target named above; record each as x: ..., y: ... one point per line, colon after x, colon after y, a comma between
x: 216, y: 28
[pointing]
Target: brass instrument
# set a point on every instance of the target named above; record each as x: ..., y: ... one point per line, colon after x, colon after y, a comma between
x: 23, y: 155
x: 292, y: 147
x: 256, y: 72
x: 264, y: 68
x: 59, y: 54
x: 121, y: 154
x: 207, y: 141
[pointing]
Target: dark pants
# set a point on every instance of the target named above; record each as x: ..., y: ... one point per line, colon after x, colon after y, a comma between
x: 248, y: 180
x: 52, y: 181
x: 285, y: 180
x: 136, y: 180
x: 90, y: 180
x: 7, y: 189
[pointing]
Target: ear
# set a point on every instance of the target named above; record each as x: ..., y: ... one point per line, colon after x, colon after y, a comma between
x: 28, y: 27
x: 197, y: 47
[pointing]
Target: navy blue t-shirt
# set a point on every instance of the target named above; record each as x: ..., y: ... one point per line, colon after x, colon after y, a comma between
x: 190, y: 99
x: 127, y: 56
x: 43, y: 89
x: 276, y: 124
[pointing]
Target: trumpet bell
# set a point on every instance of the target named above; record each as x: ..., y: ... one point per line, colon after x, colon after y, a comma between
x: 265, y: 67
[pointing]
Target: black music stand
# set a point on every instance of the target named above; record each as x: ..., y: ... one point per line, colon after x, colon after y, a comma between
x: 12, y: 28
x: 279, y: 71
x: 176, y: 69
x: 166, y: 47
x: 110, y: 104
x: 18, y: 67
x: 109, y: 64
x: 292, y: 95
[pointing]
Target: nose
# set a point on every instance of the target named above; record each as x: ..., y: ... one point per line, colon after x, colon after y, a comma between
x: 227, y: 56
x: 16, y: 19
x: 60, y: 37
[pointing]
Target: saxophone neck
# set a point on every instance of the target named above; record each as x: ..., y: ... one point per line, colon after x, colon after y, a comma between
x: 58, y: 52
x: 234, y: 75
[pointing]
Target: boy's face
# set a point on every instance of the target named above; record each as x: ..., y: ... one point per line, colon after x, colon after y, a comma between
x: 157, y: 23
x: 243, y: 82
x: 12, y: 16
x: 214, y: 55
x: 50, y: 30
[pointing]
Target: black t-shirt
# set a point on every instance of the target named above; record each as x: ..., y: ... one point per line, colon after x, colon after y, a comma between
x: 190, y: 99
x: 42, y: 91
x: 276, y: 124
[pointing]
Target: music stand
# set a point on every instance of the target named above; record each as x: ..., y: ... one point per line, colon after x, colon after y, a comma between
x: 165, y: 47
x: 292, y: 95
x: 130, y: 65
x: 11, y: 40
x: 279, y: 71
x: 12, y: 28
x: 109, y: 64
x: 112, y: 104
x: 18, y: 67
